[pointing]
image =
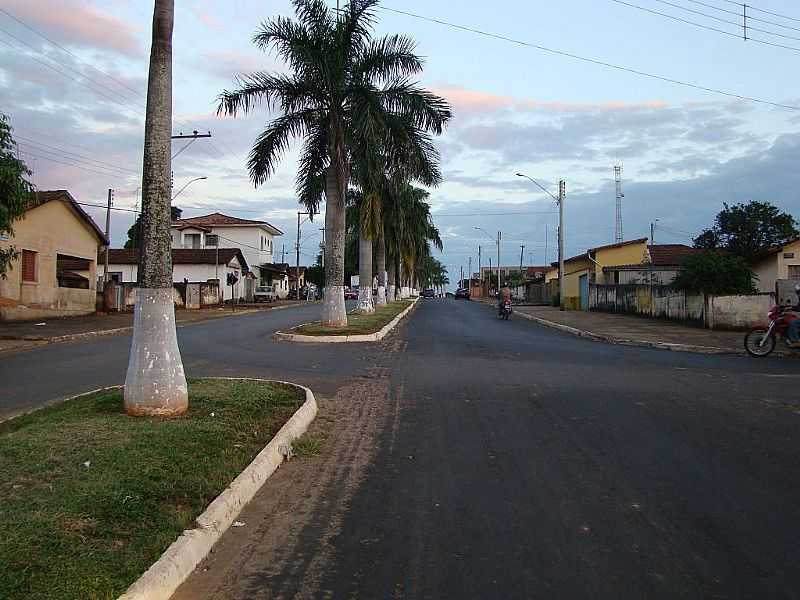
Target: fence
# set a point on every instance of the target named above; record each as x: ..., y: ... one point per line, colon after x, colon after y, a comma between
x: 190, y: 296
x: 664, y: 302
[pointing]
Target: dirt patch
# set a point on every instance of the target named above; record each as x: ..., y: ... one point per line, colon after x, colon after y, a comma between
x: 303, y: 504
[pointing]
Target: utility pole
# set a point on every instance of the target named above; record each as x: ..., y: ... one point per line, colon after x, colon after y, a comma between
x: 545, y: 245
x: 297, y: 262
x: 652, y: 234
x: 618, y: 238
x: 562, y: 189
x: 498, y: 262
x: 480, y: 275
x: 283, y: 253
x: 461, y: 279
x: 108, y: 237
x: 521, y: 252
x: 469, y: 274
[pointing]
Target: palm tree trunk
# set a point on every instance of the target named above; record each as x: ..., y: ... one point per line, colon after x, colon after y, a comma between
x: 155, y: 383
x: 334, y: 313
x: 380, y: 256
x: 365, y: 304
x: 391, y: 283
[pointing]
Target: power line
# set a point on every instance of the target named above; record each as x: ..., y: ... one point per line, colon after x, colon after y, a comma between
x: 593, y: 61
x: 76, y: 57
x: 79, y: 157
x: 496, y: 214
x: 722, y: 31
x: 739, y: 14
x: 761, y: 10
x: 69, y: 164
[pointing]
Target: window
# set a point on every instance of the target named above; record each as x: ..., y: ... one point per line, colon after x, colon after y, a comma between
x: 794, y: 271
x: 29, y: 266
x: 788, y: 255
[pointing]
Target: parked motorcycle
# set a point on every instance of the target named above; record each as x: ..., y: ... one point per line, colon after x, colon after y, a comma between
x: 505, y: 310
x: 760, y: 341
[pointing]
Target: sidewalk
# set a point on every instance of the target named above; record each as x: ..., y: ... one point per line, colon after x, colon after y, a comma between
x: 637, y: 331
x: 32, y: 333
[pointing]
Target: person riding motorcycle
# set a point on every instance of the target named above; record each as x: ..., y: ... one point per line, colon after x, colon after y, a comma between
x: 793, y: 331
x: 502, y: 297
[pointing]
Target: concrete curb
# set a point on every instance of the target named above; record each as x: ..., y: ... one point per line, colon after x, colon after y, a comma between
x: 334, y: 339
x: 161, y: 580
x: 625, y: 342
x: 70, y: 337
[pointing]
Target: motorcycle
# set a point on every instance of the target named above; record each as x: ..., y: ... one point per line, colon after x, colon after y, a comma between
x: 760, y: 341
x: 505, y: 310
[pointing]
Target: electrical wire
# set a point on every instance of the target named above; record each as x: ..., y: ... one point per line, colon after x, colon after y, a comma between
x: 741, y: 14
x: 68, y: 164
x: 593, y: 61
x: 722, y: 31
x: 70, y: 154
x: 761, y: 10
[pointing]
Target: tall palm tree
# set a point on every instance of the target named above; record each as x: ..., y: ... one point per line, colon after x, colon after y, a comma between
x: 344, y: 86
x: 155, y: 383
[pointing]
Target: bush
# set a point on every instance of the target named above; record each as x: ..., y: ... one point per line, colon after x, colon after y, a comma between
x: 715, y: 273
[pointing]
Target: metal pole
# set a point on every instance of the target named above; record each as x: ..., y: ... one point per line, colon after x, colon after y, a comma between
x: 562, y: 188
x: 469, y: 275
x: 108, y: 237
x: 480, y: 275
x: 521, y: 252
x: 297, y: 261
x: 498, y: 262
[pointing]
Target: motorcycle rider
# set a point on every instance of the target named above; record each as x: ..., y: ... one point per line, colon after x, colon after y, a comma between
x: 502, y: 297
x: 793, y: 332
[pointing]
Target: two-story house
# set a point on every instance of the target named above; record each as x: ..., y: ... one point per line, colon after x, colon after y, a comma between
x: 255, y: 239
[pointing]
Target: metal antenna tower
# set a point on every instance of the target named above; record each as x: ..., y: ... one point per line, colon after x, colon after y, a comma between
x: 620, y: 196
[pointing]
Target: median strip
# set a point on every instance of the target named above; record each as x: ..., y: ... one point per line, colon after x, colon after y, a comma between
x: 360, y: 328
x: 91, y: 498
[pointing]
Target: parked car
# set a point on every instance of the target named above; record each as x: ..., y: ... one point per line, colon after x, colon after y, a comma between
x: 462, y: 293
x: 428, y: 293
x: 351, y: 294
x: 264, y: 293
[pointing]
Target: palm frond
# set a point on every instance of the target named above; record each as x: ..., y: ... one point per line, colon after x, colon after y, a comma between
x: 273, y: 142
x: 290, y: 93
x: 387, y: 58
x: 428, y: 111
x: 310, y: 179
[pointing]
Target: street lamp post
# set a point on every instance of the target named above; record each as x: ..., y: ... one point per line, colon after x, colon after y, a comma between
x: 188, y: 183
x: 562, y: 187
x: 497, y: 241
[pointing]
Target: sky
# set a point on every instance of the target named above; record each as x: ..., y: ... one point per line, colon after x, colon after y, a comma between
x: 73, y: 83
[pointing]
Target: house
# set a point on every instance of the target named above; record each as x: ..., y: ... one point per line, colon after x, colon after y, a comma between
x: 586, y: 268
x: 188, y: 264
x: 778, y: 263
x: 660, y: 267
x: 56, y: 241
x: 255, y: 239
x: 293, y: 277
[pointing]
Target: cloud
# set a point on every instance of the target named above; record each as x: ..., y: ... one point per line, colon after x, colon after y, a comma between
x: 76, y: 23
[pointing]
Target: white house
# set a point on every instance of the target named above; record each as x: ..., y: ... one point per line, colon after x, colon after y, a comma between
x: 192, y: 265
x: 255, y: 239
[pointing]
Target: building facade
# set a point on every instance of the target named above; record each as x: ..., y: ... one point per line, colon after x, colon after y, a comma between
x: 57, y: 243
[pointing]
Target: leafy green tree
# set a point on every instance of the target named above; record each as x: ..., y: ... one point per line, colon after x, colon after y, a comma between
x: 136, y: 228
x: 344, y: 87
x: 747, y: 229
x: 715, y: 273
x: 316, y: 274
x: 16, y: 192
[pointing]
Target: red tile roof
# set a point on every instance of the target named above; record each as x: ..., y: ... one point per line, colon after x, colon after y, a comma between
x: 220, y: 219
x: 180, y: 256
x: 662, y: 255
x: 46, y: 196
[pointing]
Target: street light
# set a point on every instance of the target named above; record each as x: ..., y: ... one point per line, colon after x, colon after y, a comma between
x: 497, y: 241
x: 188, y: 183
x: 560, y: 201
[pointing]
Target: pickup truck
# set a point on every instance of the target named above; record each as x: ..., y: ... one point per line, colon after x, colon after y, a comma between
x: 265, y: 293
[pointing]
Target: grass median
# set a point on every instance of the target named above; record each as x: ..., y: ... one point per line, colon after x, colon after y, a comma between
x: 357, y: 323
x: 90, y: 498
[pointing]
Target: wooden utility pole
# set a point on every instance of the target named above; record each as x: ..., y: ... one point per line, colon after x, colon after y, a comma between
x: 108, y: 237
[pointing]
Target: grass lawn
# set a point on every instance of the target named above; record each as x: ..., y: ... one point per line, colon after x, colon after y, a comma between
x: 357, y: 323
x: 90, y: 498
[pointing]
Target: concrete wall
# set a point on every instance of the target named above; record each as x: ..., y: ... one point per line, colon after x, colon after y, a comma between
x: 714, y: 312
x: 766, y: 273
x: 738, y: 312
x: 49, y: 230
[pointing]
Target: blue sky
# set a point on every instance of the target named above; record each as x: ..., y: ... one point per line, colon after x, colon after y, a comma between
x: 685, y: 151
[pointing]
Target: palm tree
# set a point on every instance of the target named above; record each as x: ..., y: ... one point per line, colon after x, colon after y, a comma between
x: 155, y: 383
x: 344, y: 87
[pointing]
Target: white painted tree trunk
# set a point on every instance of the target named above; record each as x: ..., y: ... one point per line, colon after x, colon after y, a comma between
x: 155, y: 383
x: 390, y: 283
x: 365, y: 304
x: 334, y: 313
x: 380, y: 256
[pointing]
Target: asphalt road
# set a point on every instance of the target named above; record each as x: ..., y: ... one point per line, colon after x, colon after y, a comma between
x: 505, y: 461
x: 239, y: 346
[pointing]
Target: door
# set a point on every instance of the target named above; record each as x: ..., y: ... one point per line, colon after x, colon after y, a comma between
x: 584, y: 285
